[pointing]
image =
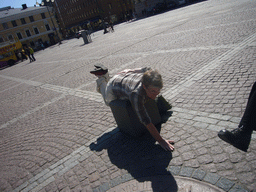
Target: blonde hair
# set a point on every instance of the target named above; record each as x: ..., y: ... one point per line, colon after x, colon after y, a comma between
x: 152, y: 78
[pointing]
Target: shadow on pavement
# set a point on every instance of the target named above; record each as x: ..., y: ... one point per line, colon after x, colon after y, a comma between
x: 142, y: 158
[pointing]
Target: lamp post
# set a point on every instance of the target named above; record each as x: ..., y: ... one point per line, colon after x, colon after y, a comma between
x: 62, y: 22
x: 55, y: 29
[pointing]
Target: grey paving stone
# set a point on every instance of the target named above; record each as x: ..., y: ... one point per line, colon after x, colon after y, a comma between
x: 211, y: 178
x: 237, y: 188
x: 206, y: 120
x: 225, y: 184
x: 186, y: 171
x: 126, y: 177
x: 175, y: 170
x: 104, y: 187
x: 42, y: 185
x: 198, y: 174
x: 219, y: 116
x: 21, y: 187
x: 116, y: 181
x: 30, y: 187
x: 201, y: 125
x: 41, y: 174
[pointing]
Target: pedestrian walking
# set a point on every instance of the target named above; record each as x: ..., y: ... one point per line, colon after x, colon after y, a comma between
x: 32, y: 53
x: 27, y: 51
x: 105, y: 24
x: 111, y: 26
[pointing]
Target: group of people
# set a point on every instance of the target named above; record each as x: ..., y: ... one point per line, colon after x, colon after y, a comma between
x: 26, y: 52
x: 138, y: 85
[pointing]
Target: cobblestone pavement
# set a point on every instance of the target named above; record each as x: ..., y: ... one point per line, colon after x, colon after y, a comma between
x: 57, y: 134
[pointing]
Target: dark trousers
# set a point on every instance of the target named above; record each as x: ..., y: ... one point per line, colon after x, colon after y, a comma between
x: 248, y: 120
x: 32, y: 56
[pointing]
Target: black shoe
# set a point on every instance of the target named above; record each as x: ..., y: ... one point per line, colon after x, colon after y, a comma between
x: 239, y: 138
x: 99, y: 66
x: 99, y: 70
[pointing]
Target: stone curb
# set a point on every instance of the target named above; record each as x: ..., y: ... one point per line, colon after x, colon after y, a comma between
x: 197, y: 174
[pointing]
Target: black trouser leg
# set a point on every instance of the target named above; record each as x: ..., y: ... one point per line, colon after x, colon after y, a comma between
x: 32, y: 55
x: 30, y: 59
x: 248, y: 120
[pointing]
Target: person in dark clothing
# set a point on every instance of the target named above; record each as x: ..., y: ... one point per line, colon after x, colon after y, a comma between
x: 31, y: 53
x: 27, y: 51
x: 241, y: 136
x: 23, y: 55
x: 111, y: 26
x: 105, y: 27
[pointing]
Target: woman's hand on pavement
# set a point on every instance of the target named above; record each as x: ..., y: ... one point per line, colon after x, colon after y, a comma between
x: 167, y: 145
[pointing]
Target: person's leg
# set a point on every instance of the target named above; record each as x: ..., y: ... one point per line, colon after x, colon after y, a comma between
x: 102, y: 84
x: 33, y: 57
x: 241, y: 136
x: 101, y: 72
x: 30, y: 59
x: 249, y: 118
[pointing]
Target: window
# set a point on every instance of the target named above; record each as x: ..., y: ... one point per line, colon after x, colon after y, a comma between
x: 10, y: 37
x: 1, y: 40
x: 14, y: 24
x: 28, y: 33
x: 23, y: 21
x: 5, y: 25
x: 47, y: 27
x: 43, y: 15
x: 31, y: 18
x: 36, y: 30
x: 19, y: 35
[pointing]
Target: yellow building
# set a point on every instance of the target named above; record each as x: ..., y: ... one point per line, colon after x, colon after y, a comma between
x: 33, y: 26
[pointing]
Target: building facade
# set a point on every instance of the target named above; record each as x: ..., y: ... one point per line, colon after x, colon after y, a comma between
x: 143, y: 6
x: 33, y: 26
x: 91, y: 13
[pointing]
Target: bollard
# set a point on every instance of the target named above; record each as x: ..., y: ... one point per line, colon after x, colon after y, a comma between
x: 86, y: 37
